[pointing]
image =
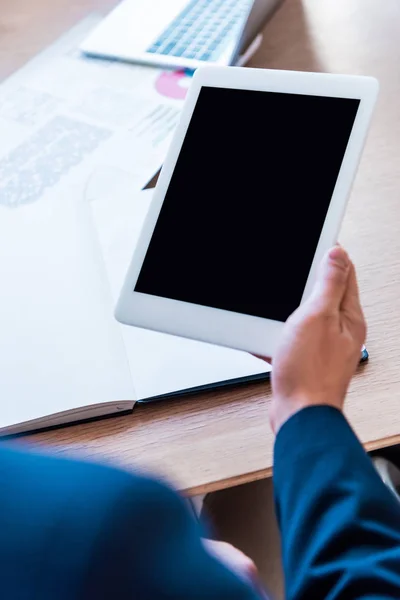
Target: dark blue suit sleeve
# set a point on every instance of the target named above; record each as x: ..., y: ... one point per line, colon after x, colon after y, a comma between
x: 150, y: 548
x: 340, y: 525
x: 78, y: 531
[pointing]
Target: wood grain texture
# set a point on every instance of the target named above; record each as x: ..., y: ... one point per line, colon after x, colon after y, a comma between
x: 220, y: 439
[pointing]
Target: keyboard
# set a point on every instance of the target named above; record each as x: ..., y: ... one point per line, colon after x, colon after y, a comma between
x: 202, y: 30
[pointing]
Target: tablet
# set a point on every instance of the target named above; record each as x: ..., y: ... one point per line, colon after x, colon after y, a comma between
x: 251, y: 195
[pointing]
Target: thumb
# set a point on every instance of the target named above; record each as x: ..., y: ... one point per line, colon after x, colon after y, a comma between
x: 331, y: 284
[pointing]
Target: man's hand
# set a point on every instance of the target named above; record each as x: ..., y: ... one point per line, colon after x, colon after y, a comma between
x: 321, y: 343
x: 234, y: 559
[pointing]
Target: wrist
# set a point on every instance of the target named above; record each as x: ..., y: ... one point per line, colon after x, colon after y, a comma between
x: 283, y: 408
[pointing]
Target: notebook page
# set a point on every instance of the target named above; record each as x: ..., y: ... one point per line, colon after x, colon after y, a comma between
x: 60, y: 348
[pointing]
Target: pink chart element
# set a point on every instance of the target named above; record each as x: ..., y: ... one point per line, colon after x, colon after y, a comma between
x: 169, y: 84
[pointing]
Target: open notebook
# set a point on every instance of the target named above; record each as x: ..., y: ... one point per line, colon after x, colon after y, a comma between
x: 63, y: 357
x: 78, y: 137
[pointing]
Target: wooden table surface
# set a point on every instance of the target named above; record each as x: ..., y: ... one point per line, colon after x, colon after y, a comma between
x: 215, y: 440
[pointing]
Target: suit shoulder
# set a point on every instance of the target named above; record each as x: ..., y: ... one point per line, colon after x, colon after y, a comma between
x: 77, y: 488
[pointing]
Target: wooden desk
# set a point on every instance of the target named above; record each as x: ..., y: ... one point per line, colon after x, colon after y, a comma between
x: 221, y: 439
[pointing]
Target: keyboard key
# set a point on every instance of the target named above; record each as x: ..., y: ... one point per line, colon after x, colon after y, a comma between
x: 201, y: 28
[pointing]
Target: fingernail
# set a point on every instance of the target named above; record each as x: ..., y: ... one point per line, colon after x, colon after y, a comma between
x: 339, y: 256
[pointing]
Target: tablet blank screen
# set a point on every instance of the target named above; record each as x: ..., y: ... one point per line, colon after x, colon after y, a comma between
x: 247, y: 201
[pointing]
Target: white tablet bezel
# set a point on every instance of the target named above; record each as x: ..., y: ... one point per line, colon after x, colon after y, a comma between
x: 235, y: 330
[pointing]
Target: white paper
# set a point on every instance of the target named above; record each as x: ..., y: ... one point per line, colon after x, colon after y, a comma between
x: 159, y: 363
x: 63, y: 120
x: 59, y: 347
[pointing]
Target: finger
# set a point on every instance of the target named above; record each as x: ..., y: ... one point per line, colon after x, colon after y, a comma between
x: 232, y: 558
x: 267, y: 359
x: 330, y: 287
x: 351, y: 305
x: 351, y: 298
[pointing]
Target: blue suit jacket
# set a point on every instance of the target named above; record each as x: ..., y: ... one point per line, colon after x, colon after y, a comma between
x: 81, y: 531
